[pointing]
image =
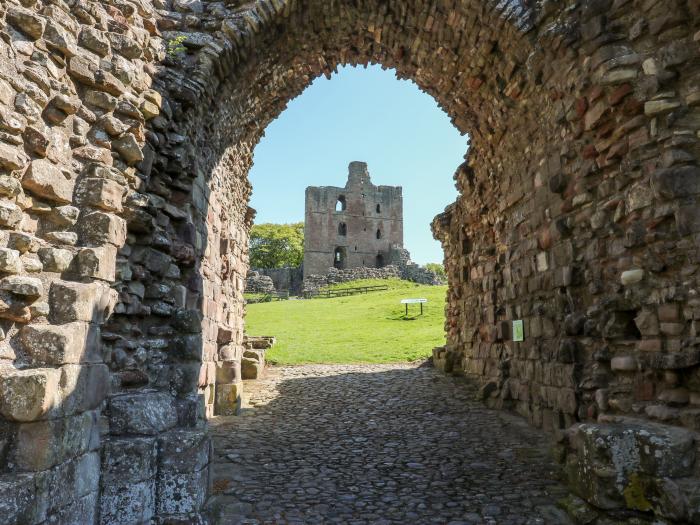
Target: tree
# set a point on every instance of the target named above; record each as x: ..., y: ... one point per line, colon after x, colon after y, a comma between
x: 276, y: 245
x: 437, y: 269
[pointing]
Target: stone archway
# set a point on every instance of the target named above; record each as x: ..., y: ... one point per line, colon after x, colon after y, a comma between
x: 127, y: 133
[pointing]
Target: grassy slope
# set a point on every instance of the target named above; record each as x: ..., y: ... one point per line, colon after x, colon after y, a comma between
x: 359, y: 329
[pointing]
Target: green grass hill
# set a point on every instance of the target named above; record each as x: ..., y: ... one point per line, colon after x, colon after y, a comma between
x: 367, y: 328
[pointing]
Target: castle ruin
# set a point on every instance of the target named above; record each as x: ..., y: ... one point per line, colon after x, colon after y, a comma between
x: 351, y: 227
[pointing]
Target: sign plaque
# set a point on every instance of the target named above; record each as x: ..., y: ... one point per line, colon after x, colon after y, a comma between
x: 518, y: 332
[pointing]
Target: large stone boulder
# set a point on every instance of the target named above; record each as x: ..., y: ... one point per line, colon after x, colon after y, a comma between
x: 622, y: 463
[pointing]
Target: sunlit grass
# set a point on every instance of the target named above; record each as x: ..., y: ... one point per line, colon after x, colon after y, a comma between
x: 367, y: 328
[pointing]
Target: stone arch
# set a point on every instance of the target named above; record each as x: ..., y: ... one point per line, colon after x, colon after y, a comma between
x: 132, y: 130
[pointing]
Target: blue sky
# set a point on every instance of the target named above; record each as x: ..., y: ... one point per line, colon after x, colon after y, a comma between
x: 367, y: 115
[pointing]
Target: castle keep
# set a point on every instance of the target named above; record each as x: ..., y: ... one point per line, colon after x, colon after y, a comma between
x: 351, y: 227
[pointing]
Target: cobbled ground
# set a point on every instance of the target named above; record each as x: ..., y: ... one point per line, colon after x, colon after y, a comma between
x: 378, y: 444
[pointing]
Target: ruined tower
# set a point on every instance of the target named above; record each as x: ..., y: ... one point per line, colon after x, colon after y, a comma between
x: 352, y: 226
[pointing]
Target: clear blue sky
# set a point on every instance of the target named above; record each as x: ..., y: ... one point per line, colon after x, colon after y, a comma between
x: 367, y: 115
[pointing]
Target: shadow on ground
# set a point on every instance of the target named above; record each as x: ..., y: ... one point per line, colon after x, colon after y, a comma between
x: 360, y: 444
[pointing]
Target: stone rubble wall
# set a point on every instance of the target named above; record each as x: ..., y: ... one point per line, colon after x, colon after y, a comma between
x: 411, y: 271
x: 257, y: 283
x: 597, y: 252
x: 285, y: 279
x: 126, y: 134
x: 401, y: 267
x: 335, y: 276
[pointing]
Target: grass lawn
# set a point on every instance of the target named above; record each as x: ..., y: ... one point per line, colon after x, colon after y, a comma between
x: 368, y: 328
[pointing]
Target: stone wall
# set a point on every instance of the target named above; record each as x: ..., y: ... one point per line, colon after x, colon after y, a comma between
x: 257, y: 283
x: 411, y: 271
x: 290, y: 279
x: 126, y: 134
x: 335, y: 276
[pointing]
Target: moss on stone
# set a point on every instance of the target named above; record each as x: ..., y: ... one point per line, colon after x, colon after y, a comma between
x: 634, y: 493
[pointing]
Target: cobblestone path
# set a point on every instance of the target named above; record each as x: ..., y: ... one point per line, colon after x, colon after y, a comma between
x: 397, y: 444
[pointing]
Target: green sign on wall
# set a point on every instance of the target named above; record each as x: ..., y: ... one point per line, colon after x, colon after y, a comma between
x: 518, y: 332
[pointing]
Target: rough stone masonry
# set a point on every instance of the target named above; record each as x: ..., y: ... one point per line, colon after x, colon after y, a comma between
x: 126, y: 133
x: 356, y: 226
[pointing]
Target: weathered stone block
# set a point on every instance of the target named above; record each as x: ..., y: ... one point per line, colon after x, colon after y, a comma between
x: 93, y: 39
x: 183, y: 451
x: 156, y: 261
x: 19, y: 499
x: 69, y: 482
x: 70, y: 343
x: 85, y: 508
x: 252, y: 364
x: 23, y: 286
x: 97, y: 228
x: 127, y: 460
x: 43, y: 444
x: 125, y: 504
x: 9, y: 186
x: 611, y: 460
x: 83, y: 387
x: 64, y: 215
x: 55, y: 259
x: 44, y: 179
x: 228, y: 399
x: 188, y: 321
x: 97, y: 263
x: 676, y: 182
x: 688, y: 219
x: 228, y: 372
x: 142, y: 413
x: 23, y: 242
x: 71, y: 301
x: 101, y: 193
x: 10, y: 214
x: 28, y: 395
x: 27, y: 21
x: 10, y: 261
x: 181, y: 493
x: 128, y: 147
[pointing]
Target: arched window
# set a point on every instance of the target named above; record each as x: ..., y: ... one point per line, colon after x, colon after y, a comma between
x: 379, y: 208
x: 379, y: 234
x: 342, y: 229
x: 341, y: 204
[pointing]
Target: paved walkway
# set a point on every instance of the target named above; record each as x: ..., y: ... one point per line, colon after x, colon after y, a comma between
x: 394, y: 444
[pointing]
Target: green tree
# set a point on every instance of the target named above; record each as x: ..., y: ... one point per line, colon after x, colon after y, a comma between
x: 276, y: 245
x: 438, y: 269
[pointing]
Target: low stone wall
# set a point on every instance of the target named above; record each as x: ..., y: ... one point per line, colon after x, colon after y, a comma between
x: 335, y: 276
x: 401, y: 258
x: 290, y: 279
x: 253, y: 362
x: 257, y: 283
x: 402, y: 268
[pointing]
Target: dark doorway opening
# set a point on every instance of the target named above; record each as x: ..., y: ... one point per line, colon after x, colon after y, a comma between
x: 339, y: 258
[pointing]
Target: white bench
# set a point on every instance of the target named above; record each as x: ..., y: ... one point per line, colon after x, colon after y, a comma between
x: 414, y: 301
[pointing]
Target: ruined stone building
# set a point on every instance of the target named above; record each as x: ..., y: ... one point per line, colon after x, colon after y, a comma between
x: 127, y: 131
x: 353, y: 226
